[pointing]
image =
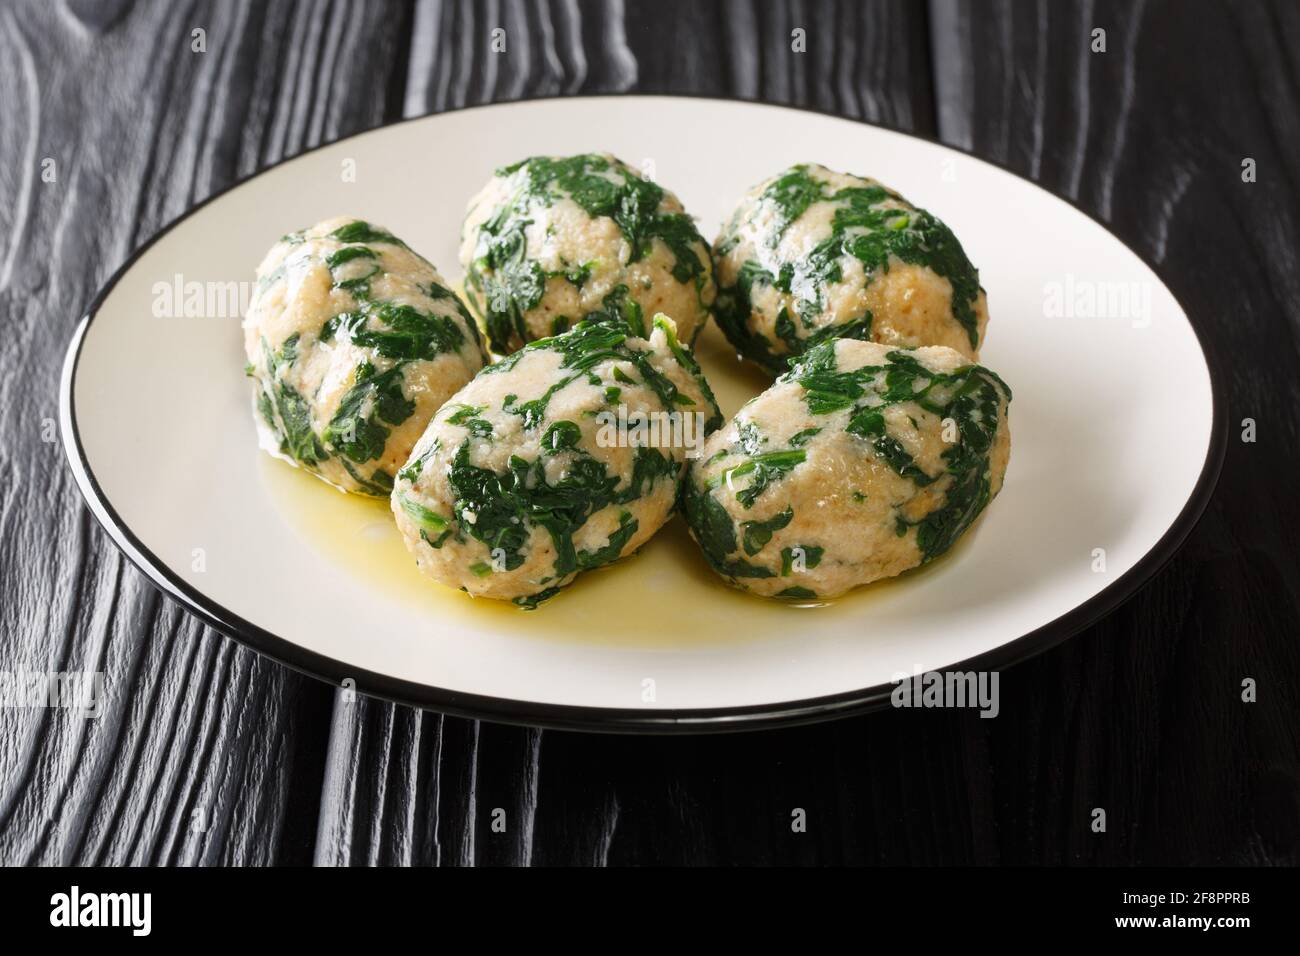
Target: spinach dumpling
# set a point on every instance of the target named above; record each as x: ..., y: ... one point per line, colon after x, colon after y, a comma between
x: 353, y: 341
x: 565, y: 456
x: 552, y: 241
x: 860, y: 462
x: 812, y: 255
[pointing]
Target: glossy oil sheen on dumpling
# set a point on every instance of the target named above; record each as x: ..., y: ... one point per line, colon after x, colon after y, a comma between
x: 552, y: 241
x: 860, y: 462
x: 811, y: 255
x: 519, y: 483
x: 353, y: 342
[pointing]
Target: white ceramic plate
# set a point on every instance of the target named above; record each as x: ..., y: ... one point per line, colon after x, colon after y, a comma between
x: 1117, y: 437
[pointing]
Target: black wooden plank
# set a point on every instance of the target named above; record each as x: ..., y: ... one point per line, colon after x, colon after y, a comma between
x: 861, y: 60
x: 1143, y: 714
x: 574, y: 798
x: 205, y: 752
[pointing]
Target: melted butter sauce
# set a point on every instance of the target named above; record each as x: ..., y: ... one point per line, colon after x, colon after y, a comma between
x: 663, y: 597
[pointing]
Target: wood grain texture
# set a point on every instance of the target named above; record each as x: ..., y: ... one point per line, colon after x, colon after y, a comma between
x: 1150, y: 137
x: 205, y: 752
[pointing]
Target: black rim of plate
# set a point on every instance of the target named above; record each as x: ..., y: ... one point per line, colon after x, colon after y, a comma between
x: 619, y: 720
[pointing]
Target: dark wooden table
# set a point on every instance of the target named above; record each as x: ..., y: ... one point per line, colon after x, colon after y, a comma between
x: 210, y: 754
